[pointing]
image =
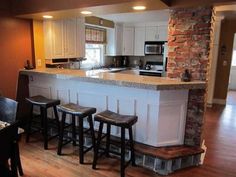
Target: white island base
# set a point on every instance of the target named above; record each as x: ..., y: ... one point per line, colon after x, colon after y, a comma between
x: 161, y: 113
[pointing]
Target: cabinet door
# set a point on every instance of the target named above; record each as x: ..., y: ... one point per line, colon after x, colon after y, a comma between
x: 128, y: 41
x: 162, y: 33
x: 151, y: 33
x: 57, y: 39
x: 110, y: 46
x: 47, y: 30
x: 118, y: 39
x: 70, y: 33
x: 139, y: 40
x: 80, y: 37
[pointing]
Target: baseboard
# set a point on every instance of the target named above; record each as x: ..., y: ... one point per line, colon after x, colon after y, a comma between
x: 219, y: 101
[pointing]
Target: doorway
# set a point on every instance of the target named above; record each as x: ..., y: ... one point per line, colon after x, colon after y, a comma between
x: 231, y: 96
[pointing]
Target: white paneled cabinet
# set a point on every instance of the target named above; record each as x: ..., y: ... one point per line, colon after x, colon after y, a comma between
x: 114, y: 40
x: 128, y: 41
x: 139, y: 40
x: 70, y: 43
x: 58, y: 39
x: 156, y: 33
x: 64, y: 38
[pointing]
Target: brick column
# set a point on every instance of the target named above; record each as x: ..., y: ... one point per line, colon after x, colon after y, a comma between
x: 189, y: 46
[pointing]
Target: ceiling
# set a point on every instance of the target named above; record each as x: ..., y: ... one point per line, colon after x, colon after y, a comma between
x: 125, y: 7
x: 146, y: 16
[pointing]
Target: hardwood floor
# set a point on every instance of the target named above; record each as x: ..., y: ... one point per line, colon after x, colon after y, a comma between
x: 231, y: 97
x: 220, y: 135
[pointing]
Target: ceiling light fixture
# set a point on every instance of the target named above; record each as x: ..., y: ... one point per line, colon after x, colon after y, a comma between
x: 48, y: 16
x: 86, y: 12
x: 139, y: 7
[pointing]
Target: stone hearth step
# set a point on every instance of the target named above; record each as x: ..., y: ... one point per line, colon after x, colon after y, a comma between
x: 166, y: 160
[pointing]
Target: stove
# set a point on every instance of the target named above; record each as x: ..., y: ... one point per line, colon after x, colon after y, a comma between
x: 152, y: 68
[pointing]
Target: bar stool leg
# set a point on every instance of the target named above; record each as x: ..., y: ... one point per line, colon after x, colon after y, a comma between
x: 108, y: 139
x: 29, y: 123
x: 45, y: 128
x: 90, y: 120
x: 122, y: 163
x: 73, y: 130
x: 95, y: 157
x: 81, y: 141
x: 61, y: 133
x: 57, y: 118
x: 132, y: 146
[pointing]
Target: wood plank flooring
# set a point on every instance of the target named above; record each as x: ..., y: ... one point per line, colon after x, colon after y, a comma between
x: 220, y: 161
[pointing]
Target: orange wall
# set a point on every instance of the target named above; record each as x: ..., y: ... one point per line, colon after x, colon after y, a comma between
x: 15, y: 49
x: 222, y: 73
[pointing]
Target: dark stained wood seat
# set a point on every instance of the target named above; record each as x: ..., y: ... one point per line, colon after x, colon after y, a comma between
x: 75, y: 109
x: 44, y: 103
x: 79, y: 112
x: 122, y: 121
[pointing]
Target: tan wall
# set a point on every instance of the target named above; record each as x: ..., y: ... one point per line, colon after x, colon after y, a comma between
x: 228, y: 28
x: 38, y: 44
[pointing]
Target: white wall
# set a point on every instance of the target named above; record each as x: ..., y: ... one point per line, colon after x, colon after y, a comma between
x: 232, y: 79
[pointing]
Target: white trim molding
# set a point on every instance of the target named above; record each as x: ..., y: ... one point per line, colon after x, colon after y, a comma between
x: 219, y: 101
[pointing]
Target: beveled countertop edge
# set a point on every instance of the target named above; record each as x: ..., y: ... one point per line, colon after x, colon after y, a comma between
x: 182, y: 86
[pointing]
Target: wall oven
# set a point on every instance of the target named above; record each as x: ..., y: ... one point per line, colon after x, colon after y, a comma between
x: 154, y: 48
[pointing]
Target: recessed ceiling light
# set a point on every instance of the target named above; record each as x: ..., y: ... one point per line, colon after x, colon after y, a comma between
x: 139, y: 7
x: 86, y: 12
x: 47, y: 16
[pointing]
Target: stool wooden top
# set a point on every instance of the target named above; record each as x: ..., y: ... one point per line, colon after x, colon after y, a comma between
x: 76, y: 109
x: 43, y: 101
x: 115, y: 118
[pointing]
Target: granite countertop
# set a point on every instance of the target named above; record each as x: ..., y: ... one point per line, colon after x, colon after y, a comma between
x: 127, y: 80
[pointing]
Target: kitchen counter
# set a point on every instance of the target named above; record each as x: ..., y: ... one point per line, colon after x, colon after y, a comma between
x: 117, y: 78
x: 160, y: 103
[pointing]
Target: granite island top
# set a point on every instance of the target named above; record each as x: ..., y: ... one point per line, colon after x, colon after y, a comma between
x: 119, y: 79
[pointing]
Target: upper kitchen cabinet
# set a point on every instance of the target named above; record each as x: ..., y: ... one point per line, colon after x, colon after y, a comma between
x: 139, y: 40
x: 114, y: 40
x: 64, y: 38
x: 128, y: 41
x: 156, y: 33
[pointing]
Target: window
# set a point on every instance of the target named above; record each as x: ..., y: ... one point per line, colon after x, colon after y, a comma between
x: 234, y: 58
x: 94, y: 54
x: 94, y: 48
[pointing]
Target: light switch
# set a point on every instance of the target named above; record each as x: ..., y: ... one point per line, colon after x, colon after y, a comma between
x: 39, y: 63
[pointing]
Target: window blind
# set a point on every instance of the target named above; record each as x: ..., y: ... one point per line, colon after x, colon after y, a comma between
x: 94, y: 35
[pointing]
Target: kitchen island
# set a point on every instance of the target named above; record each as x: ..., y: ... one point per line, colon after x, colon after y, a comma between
x: 160, y: 103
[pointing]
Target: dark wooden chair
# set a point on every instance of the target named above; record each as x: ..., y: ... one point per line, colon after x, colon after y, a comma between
x: 8, y: 113
x: 9, y: 138
x: 118, y: 120
x: 79, y: 113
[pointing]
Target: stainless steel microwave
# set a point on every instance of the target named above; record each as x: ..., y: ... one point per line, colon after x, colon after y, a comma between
x: 154, y: 48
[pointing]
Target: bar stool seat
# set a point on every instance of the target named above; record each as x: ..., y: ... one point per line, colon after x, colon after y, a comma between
x: 116, y: 119
x: 44, y: 103
x: 75, y: 109
x: 122, y: 121
x: 80, y: 112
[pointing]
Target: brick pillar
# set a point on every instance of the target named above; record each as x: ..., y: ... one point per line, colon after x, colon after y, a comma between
x: 189, y: 46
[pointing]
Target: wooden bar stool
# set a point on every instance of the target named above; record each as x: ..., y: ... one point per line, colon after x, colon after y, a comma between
x: 122, y: 121
x: 79, y: 112
x: 44, y: 104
